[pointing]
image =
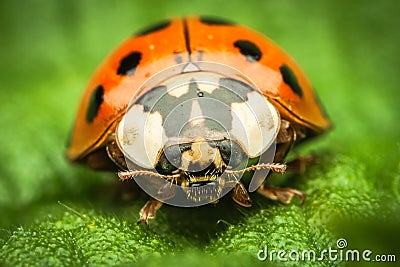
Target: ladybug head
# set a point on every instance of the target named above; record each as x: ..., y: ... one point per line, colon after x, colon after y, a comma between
x: 200, y: 161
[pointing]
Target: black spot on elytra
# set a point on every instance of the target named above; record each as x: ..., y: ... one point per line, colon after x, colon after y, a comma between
x: 95, y: 101
x: 249, y: 50
x: 128, y: 64
x: 290, y: 79
x: 209, y: 20
x: 154, y: 28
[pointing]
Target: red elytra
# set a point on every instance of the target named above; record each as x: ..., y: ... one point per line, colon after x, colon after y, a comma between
x: 180, y: 40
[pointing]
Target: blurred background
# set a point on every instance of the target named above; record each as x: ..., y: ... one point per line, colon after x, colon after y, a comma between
x: 54, y: 213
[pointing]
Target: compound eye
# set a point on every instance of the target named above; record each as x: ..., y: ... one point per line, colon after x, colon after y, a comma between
x: 170, y: 160
x: 231, y: 152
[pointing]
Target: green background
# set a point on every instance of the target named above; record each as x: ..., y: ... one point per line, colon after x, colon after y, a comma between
x: 52, y: 213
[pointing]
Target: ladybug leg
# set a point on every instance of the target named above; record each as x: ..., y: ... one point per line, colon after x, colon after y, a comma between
x: 109, y: 158
x: 286, y: 138
x: 299, y: 164
x: 288, y: 134
x: 241, y: 196
x: 100, y: 161
x: 284, y: 195
x: 114, y: 153
x: 149, y: 210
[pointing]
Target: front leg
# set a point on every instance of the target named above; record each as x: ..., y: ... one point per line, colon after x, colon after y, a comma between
x: 284, y: 195
x: 149, y: 210
x: 241, y: 196
x: 167, y: 191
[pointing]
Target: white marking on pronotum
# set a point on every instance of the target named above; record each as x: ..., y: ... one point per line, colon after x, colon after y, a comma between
x: 140, y: 136
x: 179, y: 90
x: 255, y: 123
x: 206, y: 86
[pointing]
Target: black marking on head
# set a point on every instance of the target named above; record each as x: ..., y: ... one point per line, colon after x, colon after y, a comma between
x: 210, y: 20
x: 95, y: 101
x: 249, y: 50
x: 291, y: 80
x: 154, y: 28
x: 128, y: 64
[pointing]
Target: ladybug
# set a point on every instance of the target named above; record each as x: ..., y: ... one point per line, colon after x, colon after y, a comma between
x: 190, y: 105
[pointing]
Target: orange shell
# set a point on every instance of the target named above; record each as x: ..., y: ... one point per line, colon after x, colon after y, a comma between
x: 191, y: 39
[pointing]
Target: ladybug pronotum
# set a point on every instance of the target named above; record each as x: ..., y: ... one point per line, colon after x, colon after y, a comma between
x: 188, y: 106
